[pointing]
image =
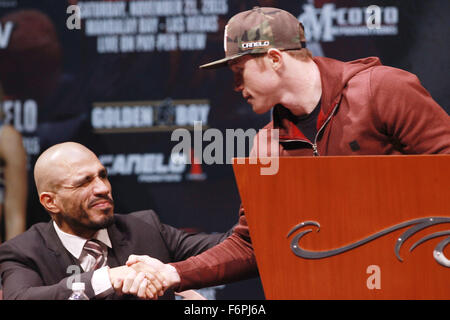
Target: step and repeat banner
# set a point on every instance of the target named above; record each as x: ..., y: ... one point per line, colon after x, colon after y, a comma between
x: 122, y: 76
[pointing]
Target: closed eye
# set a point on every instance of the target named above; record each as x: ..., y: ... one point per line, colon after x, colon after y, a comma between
x: 84, y: 181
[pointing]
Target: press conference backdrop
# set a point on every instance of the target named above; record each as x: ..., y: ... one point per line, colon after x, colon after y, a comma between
x: 122, y: 78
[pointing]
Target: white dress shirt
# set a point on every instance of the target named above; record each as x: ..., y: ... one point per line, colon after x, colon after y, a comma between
x: 100, y: 279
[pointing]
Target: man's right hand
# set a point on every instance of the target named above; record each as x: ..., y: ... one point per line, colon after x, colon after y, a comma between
x: 145, y: 284
x: 168, y: 272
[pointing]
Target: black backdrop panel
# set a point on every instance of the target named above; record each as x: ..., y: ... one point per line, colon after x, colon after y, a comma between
x: 127, y: 76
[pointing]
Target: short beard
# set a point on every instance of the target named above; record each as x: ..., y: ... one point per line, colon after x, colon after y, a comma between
x: 81, y: 228
x: 105, y: 223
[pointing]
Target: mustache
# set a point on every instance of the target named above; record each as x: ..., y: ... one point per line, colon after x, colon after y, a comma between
x: 96, y: 200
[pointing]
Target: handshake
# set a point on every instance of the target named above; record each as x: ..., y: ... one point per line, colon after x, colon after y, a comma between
x: 146, y: 278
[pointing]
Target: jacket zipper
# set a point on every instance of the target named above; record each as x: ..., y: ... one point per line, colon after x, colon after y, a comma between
x: 314, y: 145
x: 315, y: 152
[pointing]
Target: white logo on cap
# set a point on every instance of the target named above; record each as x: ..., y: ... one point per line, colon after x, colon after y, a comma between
x: 255, y: 44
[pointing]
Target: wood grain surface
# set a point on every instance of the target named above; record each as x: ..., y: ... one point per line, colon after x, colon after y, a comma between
x: 352, y: 198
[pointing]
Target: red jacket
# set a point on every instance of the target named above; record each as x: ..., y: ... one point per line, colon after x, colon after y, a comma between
x: 366, y: 109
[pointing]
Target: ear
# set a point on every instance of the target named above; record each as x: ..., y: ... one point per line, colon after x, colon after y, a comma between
x: 276, y: 58
x: 48, y: 201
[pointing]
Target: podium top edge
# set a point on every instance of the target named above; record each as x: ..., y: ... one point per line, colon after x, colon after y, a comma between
x: 402, y: 156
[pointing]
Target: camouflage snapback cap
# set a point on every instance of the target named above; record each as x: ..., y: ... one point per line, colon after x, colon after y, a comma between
x: 256, y: 31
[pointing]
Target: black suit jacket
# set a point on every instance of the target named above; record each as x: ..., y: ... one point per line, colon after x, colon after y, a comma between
x: 35, y: 264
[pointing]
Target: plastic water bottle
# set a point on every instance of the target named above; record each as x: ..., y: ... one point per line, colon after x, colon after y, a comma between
x: 78, y: 292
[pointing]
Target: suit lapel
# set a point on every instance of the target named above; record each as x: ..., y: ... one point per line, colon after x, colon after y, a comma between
x: 62, y: 258
x: 120, y: 245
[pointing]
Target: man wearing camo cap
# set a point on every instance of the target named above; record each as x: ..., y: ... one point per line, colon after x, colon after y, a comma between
x: 321, y: 107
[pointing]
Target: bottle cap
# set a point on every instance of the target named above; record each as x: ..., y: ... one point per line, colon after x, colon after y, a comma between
x: 78, y: 286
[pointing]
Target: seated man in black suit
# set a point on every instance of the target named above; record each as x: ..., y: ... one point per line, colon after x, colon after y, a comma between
x: 86, y: 238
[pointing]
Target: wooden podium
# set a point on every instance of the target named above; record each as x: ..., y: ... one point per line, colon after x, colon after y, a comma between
x: 371, y: 211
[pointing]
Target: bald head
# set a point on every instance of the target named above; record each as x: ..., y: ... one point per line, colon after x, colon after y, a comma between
x: 73, y: 187
x: 58, y: 162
